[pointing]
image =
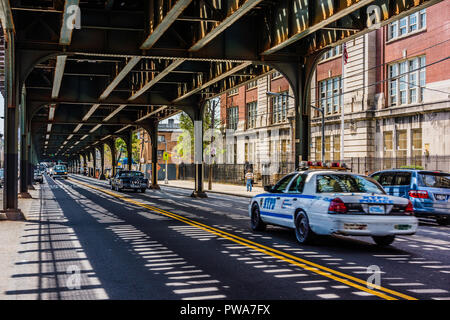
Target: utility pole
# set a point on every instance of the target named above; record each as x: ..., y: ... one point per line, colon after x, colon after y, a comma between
x: 211, y: 153
x: 166, y: 158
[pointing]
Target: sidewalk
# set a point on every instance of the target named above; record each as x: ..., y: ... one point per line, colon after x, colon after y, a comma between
x: 235, y: 190
x: 14, y: 236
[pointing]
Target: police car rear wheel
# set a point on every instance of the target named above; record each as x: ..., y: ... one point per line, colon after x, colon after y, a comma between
x: 303, y: 232
x: 383, y: 240
x: 256, y: 223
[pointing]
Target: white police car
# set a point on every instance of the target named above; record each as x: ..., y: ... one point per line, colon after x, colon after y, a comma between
x: 325, y: 202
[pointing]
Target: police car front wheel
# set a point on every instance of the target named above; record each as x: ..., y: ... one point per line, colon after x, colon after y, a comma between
x: 303, y: 232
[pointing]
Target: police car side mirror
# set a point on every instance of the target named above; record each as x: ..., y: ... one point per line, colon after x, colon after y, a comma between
x: 268, y: 188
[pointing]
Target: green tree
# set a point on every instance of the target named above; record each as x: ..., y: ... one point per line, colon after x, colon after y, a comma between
x: 121, y: 148
x: 185, y: 143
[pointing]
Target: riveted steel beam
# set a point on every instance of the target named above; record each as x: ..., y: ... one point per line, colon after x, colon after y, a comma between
x: 234, y: 14
x: 156, y: 32
x: 213, y: 81
x: 172, y: 66
x: 58, y: 75
x: 327, y: 10
x: 120, y: 76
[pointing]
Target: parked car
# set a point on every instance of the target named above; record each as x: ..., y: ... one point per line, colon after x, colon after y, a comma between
x: 59, y: 171
x: 325, y: 202
x: 429, y: 191
x: 133, y: 180
x: 38, y: 176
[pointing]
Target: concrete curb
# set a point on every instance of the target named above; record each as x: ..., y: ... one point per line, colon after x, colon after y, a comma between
x: 212, y: 191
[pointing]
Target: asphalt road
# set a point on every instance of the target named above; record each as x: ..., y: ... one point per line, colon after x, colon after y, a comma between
x: 90, y: 242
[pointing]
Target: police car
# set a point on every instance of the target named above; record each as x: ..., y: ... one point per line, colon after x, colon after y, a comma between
x: 326, y: 201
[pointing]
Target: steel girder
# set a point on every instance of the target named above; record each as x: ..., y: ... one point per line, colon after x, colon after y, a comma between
x: 171, y: 55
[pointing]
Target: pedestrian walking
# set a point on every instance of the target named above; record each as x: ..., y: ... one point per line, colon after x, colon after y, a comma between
x: 249, y: 178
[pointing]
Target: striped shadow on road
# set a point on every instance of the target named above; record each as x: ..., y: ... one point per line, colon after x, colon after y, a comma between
x: 338, y: 276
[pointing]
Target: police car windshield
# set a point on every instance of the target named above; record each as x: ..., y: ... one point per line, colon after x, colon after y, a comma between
x: 343, y: 183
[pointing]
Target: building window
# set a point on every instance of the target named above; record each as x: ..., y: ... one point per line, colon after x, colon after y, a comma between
x: 161, y: 139
x: 333, y: 52
x: 232, y: 118
x: 246, y: 152
x: 252, y: 84
x: 251, y: 114
x: 279, y: 107
x: 407, y: 81
x: 327, y: 148
x: 330, y: 91
x: 318, y: 155
x: 417, y: 147
x: 402, y: 147
x: 422, y: 77
x: 233, y: 92
x: 387, y: 150
x: 410, y: 24
x: 337, y: 147
x: 276, y: 74
x: 284, y: 153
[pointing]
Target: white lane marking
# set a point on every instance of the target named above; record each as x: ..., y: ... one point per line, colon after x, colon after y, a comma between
x: 428, y: 290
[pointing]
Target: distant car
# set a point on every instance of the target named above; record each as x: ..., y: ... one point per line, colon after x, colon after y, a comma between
x: 325, y: 202
x: 429, y: 191
x: 133, y: 180
x: 59, y: 171
x: 38, y: 176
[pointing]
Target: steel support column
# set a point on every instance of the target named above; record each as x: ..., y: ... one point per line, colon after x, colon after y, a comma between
x: 24, y: 152
x: 85, y: 165
x: 31, y: 156
x: 299, y: 77
x: 94, y: 162
x: 198, y: 154
x: 129, y: 142
x: 10, y: 192
x: 102, y: 163
x: 152, y: 130
x: 112, y: 146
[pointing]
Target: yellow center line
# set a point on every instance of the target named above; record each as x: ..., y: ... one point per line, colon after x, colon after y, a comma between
x: 297, y: 261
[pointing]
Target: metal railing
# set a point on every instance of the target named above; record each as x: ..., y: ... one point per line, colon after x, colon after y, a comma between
x: 235, y: 173
x: 266, y: 175
x: 368, y: 165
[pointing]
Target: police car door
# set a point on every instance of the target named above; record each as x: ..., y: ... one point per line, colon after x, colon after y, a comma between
x: 293, y: 199
x: 271, y: 206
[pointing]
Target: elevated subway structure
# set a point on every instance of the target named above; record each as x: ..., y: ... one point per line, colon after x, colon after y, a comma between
x: 78, y: 73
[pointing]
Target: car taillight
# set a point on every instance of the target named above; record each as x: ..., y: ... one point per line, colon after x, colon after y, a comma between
x: 409, y: 208
x: 337, y: 206
x: 420, y: 194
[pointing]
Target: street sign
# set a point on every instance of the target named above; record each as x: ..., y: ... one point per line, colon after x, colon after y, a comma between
x: 165, y: 156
